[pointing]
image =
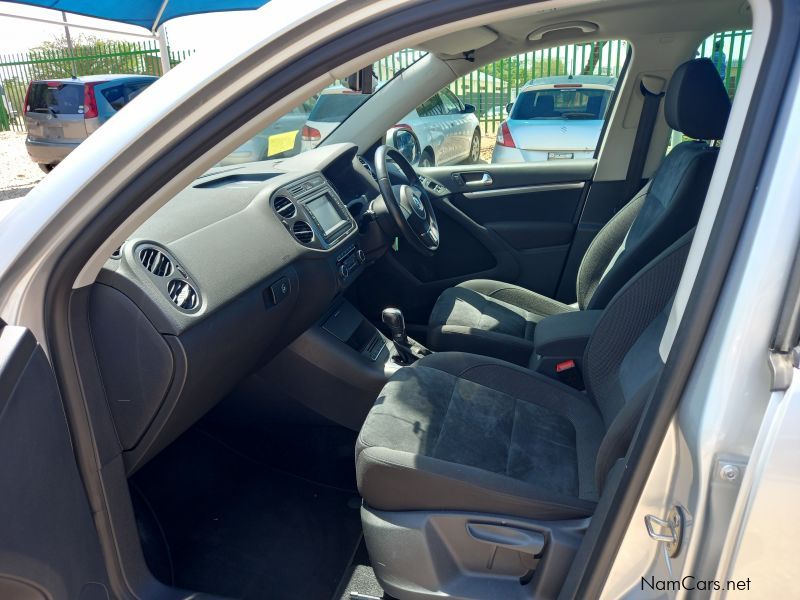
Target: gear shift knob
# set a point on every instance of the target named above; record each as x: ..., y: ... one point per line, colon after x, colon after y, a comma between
x: 393, y: 319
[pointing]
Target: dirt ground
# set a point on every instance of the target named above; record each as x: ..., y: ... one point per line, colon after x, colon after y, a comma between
x: 18, y: 173
x: 488, y: 140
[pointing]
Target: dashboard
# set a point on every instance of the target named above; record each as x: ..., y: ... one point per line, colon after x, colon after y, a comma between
x: 219, y: 280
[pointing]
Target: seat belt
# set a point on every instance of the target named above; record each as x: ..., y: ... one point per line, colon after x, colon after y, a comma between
x: 641, y: 143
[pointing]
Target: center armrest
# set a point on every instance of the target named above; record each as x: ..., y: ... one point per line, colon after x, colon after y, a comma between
x: 565, y: 335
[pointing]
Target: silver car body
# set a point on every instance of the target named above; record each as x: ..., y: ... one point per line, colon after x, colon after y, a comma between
x: 53, y: 134
x: 444, y: 129
x: 566, y: 129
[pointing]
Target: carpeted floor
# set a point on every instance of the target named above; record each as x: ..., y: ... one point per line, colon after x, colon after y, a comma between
x: 217, y: 518
x: 360, y: 579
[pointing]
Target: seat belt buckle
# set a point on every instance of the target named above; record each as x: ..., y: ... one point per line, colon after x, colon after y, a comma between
x: 565, y: 365
x: 568, y: 372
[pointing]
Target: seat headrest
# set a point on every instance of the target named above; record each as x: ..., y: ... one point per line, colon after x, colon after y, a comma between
x: 696, y: 102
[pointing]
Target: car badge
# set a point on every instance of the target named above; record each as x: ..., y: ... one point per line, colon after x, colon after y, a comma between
x: 563, y: 129
x: 418, y: 207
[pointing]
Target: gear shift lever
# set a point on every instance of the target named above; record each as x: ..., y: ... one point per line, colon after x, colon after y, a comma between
x: 393, y: 319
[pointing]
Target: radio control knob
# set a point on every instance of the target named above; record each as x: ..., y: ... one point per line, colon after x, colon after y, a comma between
x: 360, y: 255
x: 344, y: 271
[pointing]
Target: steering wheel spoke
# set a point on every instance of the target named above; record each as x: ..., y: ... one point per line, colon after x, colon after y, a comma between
x: 409, y: 203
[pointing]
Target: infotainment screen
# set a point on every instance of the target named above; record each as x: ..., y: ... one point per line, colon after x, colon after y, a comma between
x: 324, y: 211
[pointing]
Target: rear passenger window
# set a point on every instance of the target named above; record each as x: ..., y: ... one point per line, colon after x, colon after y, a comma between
x: 727, y: 50
x: 431, y: 107
x: 119, y: 95
x: 450, y: 103
x: 115, y: 96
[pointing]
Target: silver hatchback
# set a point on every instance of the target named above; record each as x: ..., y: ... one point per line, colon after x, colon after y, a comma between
x: 61, y: 113
x: 555, y: 118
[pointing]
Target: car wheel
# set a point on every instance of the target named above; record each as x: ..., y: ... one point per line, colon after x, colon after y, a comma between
x: 427, y: 159
x: 46, y: 168
x: 475, y: 148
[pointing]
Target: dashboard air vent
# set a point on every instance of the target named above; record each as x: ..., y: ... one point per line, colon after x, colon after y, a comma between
x: 302, y: 232
x: 182, y: 294
x: 156, y: 262
x: 284, y: 207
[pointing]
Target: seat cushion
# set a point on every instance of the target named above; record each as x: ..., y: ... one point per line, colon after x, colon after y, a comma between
x: 464, y: 432
x: 490, y: 318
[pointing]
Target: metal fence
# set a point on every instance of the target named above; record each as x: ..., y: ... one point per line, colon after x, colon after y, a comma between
x: 99, y: 58
x: 489, y: 88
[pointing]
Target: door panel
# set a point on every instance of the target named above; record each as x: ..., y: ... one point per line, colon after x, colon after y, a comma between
x: 48, y: 543
x: 517, y: 228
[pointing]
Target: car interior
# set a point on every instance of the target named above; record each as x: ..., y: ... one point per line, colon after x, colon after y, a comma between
x: 342, y: 375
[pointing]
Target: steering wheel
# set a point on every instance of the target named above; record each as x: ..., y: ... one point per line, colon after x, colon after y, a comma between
x: 409, y: 204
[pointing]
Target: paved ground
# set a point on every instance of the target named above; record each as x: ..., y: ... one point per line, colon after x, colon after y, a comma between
x: 18, y: 174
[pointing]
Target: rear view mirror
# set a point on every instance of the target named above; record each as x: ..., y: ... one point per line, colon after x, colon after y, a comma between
x: 362, y: 81
x: 406, y: 143
x: 468, y: 109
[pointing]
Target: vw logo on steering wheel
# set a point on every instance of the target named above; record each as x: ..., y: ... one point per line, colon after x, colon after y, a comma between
x: 417, y: 206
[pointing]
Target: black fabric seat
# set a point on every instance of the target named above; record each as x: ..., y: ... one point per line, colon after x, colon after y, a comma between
x: 498, y: 319
x: 471, y: 433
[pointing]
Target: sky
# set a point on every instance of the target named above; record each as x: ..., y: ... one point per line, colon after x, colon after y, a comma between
x: 196, y: 32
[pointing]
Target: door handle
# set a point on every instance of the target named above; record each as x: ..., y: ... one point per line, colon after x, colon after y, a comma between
x: 485, y: 180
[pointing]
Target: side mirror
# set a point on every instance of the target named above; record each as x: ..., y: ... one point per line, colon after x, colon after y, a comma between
x: 406, y: 143
x: 468, y: 109
x: 509, y: 106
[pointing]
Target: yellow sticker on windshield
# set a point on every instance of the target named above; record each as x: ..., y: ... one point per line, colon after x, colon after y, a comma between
x: 281, y: 142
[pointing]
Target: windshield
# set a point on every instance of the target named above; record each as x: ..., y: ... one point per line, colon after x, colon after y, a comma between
x: 561, y: 103
x: 306, y: 126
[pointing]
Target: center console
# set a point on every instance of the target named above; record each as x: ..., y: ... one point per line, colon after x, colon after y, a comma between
x: 338, y: 367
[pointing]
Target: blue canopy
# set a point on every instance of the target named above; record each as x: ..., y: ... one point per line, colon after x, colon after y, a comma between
x: 144, y: 13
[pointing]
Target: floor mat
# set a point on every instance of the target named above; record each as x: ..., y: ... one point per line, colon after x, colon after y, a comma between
x: 238, y: 528
x: 359, y: 579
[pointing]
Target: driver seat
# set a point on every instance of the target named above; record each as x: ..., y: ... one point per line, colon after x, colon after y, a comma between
x: 493, y: 318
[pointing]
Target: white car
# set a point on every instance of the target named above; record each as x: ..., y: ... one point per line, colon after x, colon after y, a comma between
x: 448, y: 130
x: 554, y: 118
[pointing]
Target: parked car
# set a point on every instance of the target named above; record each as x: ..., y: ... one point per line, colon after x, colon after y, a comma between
x: 280, y: 139
x: 554, y: 118
x: 61, y: 113
x: 448, y: 130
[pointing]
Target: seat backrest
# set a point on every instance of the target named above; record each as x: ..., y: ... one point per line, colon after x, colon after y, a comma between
x: 696, y: 104
x: 622, y: 360
x: 545, y: 105
x: 593, y: 105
